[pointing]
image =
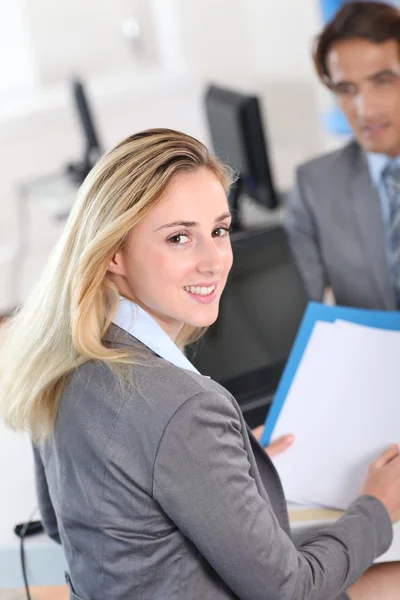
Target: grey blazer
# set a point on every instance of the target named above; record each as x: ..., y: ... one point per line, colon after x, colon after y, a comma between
x: 335, y: 228
x: 158, y: 491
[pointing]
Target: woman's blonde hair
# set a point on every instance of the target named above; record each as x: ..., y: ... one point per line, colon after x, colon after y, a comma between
x: 62, y: 323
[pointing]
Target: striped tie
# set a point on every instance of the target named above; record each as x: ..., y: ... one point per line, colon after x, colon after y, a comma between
x: 391, y: 178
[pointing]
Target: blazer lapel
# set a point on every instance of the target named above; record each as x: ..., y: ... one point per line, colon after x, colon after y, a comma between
x: 369, y: 222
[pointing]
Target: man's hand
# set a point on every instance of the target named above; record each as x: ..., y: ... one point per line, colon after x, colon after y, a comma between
x: 276, y: 447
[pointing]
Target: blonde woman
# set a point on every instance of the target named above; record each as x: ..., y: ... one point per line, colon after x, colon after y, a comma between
x: 146, y: 471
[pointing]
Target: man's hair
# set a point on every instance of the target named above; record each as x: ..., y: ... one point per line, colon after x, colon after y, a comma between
x: 373, y: 21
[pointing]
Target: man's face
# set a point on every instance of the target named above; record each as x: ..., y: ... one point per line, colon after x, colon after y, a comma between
x: 365, y: 77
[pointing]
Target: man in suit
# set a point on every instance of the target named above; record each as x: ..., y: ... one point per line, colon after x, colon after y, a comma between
x: 343, y: 217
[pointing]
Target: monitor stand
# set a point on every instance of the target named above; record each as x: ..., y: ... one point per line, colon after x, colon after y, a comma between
x: 79, y: 170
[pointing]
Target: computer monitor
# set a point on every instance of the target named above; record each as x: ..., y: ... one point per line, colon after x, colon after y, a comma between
x: 93, y: 149
x: 238, y: 139
x: 260, y: 312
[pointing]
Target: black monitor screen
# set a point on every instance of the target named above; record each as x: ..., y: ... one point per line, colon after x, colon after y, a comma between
x: 79, y: 170
x: 238, y: 139
x: 226, y: 131
x: 85, y: 117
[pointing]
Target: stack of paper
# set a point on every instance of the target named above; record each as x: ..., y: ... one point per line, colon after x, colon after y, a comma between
x: 340, y: 397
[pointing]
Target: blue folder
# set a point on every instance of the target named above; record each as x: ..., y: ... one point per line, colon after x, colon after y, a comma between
x: 320, y: 312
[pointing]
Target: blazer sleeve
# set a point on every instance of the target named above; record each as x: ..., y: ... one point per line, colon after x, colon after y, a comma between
x: 202, y: 480
x: 301, y: 230
x: 46, y: 509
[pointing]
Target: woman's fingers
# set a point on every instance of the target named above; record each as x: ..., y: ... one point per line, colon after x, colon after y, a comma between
x: 280, y: 445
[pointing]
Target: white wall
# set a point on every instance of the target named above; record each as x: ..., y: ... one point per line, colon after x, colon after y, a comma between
x: 268, y: 37
x: 86, y: 36
x: 283, y: 32
x: 16, y: 62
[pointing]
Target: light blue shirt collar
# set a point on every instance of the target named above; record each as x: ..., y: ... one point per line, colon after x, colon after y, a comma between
x: 377, y: 163
x: 137, y: 322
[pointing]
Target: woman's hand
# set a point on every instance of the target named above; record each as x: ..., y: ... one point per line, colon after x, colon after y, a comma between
x: 383, y: 481
x: 276, y: 447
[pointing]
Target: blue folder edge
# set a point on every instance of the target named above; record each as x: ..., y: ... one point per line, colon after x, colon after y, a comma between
x: 316, y: 311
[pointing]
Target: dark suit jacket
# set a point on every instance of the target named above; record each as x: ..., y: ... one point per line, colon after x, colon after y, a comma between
x: 158, y: 491
x: 335, y: 228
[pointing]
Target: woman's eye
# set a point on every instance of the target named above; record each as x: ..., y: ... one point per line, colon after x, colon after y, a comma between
x: 179, y: 238
x: 221, y: 231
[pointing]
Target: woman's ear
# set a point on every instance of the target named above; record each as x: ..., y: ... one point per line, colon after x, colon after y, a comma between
x: 116, y: 264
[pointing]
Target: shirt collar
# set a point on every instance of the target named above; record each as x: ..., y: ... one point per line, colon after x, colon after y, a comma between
x: 137, y: 322
x: 377, y: 163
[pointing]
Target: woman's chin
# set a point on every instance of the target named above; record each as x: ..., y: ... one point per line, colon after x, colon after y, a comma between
x: 205, y: 320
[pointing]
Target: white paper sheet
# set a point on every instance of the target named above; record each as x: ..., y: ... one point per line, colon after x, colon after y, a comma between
x: 343, y: 408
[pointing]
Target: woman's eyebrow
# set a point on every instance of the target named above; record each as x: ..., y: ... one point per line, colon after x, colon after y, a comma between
x: 191, y: 223
x: 223, y: 217
x: 178, y: 224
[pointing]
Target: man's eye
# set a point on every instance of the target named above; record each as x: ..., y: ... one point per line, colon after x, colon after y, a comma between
x: 345, y: 90
x: 221, y: 231
x: 179, y: 238
x: 386, y: 79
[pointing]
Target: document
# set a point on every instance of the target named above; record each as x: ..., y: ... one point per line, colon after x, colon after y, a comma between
x: 343, y: 406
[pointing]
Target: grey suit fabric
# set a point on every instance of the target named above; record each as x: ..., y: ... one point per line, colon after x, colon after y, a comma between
x: 334, y: 223
x: 158, y: 491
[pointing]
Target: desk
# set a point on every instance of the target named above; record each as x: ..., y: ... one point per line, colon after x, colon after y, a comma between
x: 58, y: 592
x: 46, y: 563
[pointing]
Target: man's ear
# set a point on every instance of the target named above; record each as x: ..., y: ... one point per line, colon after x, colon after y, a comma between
x: 116, y: 264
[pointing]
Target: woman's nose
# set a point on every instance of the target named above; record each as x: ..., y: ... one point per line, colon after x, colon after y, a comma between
x: 211, y: 258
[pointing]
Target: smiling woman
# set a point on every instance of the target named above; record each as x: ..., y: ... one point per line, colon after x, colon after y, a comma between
x: 145, y: 469
x: 177, y: 270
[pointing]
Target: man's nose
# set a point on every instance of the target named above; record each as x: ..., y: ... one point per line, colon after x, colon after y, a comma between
x: 367, y: 103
